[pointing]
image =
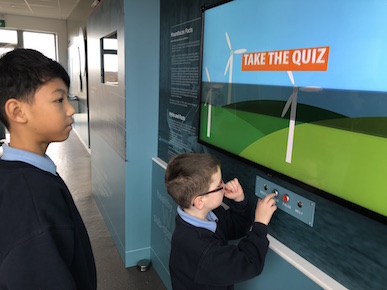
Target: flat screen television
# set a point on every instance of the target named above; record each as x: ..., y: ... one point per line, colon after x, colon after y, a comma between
x: 299, y: 88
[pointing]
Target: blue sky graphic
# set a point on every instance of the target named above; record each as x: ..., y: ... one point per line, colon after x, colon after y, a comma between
x: 355, y: 31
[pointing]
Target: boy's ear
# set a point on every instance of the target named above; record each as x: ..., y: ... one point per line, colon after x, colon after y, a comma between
x: 198, y: 202
x: 14, y: 111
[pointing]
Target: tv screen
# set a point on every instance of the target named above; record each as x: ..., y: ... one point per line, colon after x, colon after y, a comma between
x: 300, y: 88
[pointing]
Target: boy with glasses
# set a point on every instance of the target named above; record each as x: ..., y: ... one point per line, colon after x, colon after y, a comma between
x: 201, y: 257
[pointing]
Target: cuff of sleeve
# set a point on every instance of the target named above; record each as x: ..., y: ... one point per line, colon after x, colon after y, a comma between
x: 241, y: 204
x: 260, y: 228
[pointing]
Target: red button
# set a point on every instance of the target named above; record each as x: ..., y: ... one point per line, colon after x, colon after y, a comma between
x: 285, y: 198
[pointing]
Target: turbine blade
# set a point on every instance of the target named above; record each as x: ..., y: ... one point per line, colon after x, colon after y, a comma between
x: 240, y: 51
x: 290, y: 74
x: 228, y: 41
x: 230, y: 68
x: 209, y: 121
x: 288, y: 103
x: 228, y: 64
x: 208, y: 75
x: 311, y: 89
x: 208, y: 99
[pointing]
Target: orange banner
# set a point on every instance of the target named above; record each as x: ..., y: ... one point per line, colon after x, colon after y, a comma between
x: 302, y: 59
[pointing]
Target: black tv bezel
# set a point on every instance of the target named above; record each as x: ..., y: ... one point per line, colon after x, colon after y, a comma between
x: 268, y: 171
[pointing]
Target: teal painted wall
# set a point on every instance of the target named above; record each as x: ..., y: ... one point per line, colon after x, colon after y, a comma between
x: 142, y: 22
x: 124, y: 121
x: 108, y: 174
x: 107, y: 121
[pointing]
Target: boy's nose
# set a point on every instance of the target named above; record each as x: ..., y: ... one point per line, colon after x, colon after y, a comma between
x: 70, y: 109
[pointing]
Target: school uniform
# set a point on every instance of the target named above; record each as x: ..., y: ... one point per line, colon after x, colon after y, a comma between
x: 43, y: 241
x: 202, y: 258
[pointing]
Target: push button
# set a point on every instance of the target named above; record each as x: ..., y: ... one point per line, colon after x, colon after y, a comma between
x: 285, y: 198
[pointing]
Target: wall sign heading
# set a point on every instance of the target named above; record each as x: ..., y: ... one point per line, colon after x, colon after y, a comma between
x: 302, y: 59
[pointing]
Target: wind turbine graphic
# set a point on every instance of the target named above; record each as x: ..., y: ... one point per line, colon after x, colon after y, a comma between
x: 209, y: 101
x: 229, y: 65
x: 293, y: 102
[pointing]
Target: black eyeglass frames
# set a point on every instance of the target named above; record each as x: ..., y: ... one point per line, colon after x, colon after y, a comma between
x: 221, y: 187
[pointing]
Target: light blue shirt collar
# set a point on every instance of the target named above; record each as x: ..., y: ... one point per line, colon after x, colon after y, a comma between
x: 209, y: 225
x: 42, y: 162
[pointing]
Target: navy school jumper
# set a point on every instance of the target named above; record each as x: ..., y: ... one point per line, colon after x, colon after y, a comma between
x: 202, y: 259
x: 43, y: 241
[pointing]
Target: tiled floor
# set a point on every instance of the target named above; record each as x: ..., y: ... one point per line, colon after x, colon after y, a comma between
x: 73, y: 164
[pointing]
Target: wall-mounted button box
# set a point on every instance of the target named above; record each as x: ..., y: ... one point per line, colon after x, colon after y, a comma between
x: 290, y: 202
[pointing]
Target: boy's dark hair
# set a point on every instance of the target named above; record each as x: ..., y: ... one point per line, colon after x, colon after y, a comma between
x: 188, y: 175
x: 22, y: 72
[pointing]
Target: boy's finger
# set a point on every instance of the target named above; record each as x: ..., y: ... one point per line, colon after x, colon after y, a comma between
x: 269, y: 197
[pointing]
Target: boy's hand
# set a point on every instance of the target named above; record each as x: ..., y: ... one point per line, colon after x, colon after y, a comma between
x: 265, y: 209
x: 233, y: 190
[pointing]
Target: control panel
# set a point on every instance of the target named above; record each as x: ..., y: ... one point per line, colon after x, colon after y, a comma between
x: 292, y: 203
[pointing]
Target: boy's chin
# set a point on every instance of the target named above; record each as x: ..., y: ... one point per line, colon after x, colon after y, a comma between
x: 62, y: 138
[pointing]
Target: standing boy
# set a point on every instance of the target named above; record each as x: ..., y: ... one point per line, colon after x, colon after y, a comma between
x: 200, y: 256
x: 43, y: 241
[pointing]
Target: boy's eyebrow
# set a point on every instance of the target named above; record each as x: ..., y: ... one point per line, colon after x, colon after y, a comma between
x: 60, y: 90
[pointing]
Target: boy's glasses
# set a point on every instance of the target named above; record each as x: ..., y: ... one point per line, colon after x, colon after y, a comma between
x: 221, y: 187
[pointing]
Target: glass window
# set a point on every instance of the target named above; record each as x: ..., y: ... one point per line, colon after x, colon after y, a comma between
x: 43, y: 42
x: 8, y: 40
x: 4, y: 50
x: 109, y: 59
x: 8, y: 36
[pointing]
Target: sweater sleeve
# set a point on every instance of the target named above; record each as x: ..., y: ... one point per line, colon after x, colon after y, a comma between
x: 35, y: 263
x: 235, y: 221
x: 223, y: 265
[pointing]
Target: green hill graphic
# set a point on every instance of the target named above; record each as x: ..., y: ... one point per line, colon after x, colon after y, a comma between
x: 330, y: 152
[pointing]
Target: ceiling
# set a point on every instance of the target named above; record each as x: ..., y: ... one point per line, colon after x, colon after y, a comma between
x: 56, y: 9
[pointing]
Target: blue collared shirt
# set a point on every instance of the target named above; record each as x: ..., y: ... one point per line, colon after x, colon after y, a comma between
x: 42, y: 162
x: 210, y: 224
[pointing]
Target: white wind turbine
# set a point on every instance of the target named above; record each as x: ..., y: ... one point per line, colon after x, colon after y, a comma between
x: 209, y: 101
x: 229, y: 65
x: 293, y: 101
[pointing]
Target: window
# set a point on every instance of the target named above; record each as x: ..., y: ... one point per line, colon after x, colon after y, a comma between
x: 43, y: 42
x: 109, y: 59
x: 8, y: 40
